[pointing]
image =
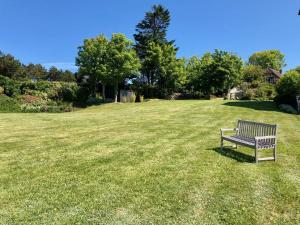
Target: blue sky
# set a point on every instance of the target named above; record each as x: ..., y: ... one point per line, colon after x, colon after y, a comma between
x: 49, y: 32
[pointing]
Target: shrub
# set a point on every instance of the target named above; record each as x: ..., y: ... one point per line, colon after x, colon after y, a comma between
x: 8, y: 104
x: 287, y: 109
x: 68, y: 92
x: 265, y: 91
x: 82, y: 94
x: 11, y: 87
x: 94, y: 101
x: 288, y: 87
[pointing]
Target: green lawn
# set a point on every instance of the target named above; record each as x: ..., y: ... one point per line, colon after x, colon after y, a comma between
x: 150, y: 163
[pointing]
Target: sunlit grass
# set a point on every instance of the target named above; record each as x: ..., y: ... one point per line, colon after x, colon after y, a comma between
x: 151, y: 163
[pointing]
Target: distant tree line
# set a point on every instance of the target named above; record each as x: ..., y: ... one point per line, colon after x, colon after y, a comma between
x: 150, y: 65
x: 14, y: 69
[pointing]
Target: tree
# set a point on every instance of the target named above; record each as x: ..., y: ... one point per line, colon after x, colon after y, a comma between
x: 268, y: 59
x: 67, y: 76
x: 224, y: 72
x: 153, y: 28
x: 288, y: 87
x: 108, y: 61
x: 254, y: 75
x: 54, y: 74
x: 165, y: 68
x: 150, y: 37
x: 199, y: 79
x: 36, y: 71
x: 93, y: 60
x: 122, y: 61
x: 9, y: 66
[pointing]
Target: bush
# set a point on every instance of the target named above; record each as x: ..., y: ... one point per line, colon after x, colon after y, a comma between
x: 265, y: 91
x: 82, y: 94
x: 287, y: 109
x: 8, y: 104
x: 288, y: 87
x: 68, y: 92
x: 94, y: 101
x: 11, y: 87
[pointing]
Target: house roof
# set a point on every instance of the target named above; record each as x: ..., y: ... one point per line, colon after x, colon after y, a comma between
x: 275, y: 72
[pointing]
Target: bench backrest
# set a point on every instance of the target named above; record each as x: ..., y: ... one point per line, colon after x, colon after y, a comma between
x: 253, y: 129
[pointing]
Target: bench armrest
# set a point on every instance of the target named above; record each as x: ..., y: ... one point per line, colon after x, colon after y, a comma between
x: 228, y: 129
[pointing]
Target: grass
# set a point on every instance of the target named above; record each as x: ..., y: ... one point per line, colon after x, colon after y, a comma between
x: 151, y: 163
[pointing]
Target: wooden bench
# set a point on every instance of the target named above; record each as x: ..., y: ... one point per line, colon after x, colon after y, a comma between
x: 254, y: 135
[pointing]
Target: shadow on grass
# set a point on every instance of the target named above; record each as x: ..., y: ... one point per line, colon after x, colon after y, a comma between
x: 231, y: 153
x: 256, y: 105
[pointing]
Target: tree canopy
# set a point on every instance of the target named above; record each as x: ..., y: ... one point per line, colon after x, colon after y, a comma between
x: 268, y: 59
x: 108, y: 61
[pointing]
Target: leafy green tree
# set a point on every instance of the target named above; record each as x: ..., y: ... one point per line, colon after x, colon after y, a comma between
x: 67, y: 76
x: 108, y: 61
x: 288, y: 87
x: 122, y: 61
x: 164, y: 66
x: 36, y: 71
x: 254, y: 75
x: 93, y: 61
x: 224, y: 72
x: 268, y: 59
x: 199, y: 78
x: 9, y: 66
x: 54, y: 74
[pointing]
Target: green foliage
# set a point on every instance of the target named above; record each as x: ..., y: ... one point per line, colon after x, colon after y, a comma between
x: 265, y: 91
x: 8, y: 104
x: 92, y: 60
x: 162, y: 57
x: 288, y: 87
x: 36, y: 72
x: 109, y: 62
x: 40, y: 96
x: 268, y: 59
x: 9, y: 66
x: 155, y: 52
x: 253, y: 75
x: 11, y: 87
x: 83, y: 94
x: 153, y: 28
x: 214, y: 73
x: 94, y: 101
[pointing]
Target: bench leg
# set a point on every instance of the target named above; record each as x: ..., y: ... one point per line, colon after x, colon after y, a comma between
x: 222, y: 143
x: 256, y: 155
x: 274, y: 153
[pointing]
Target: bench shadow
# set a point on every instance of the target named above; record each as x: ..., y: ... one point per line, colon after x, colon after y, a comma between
x: 231, y: 153
x: 256, y: 105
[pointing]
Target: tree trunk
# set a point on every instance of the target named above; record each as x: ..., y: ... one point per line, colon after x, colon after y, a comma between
x: 116, y: 92
x: 103, y: 91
